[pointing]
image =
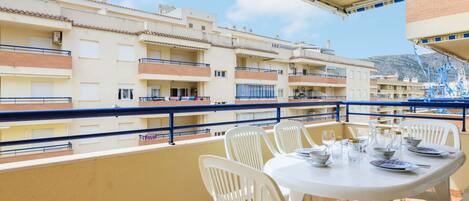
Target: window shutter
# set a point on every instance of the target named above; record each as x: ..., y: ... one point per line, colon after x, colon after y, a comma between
x: 131, y: 94
x: 119, y: 95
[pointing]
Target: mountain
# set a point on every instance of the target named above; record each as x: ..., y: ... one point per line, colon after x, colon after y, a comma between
x: 406, y: 65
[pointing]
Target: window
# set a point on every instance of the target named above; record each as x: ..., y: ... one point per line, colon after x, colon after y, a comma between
x: 126, y: 127
x: 42, y: 89
x: 154, y: 91
x: 125, y: 94
x: 89, y: 49
x: 255, y: 91
x: 257, y: 115
x: 125, y: 53
x: 191, y: 25
x: 89, y: 91
x: 179, y: 92
x: 203, y: 28
x: 220, y: 73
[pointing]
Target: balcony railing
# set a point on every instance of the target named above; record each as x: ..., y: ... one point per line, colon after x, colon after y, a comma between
x: 34, y: 100
x: 37, y: 149
x: 317, y: 97
x: 19, y: 116
x: 157, y: 136
x: 17, y: 48
x: 324, y: 75
x: 174, y: 98
x: 173, y: 62
x: 261, y: 70
x: 255, y: 97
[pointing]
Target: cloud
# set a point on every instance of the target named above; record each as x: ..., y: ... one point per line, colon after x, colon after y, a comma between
x: 294, y: 16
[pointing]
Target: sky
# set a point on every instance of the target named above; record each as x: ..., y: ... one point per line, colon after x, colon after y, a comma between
x: 372, y: 33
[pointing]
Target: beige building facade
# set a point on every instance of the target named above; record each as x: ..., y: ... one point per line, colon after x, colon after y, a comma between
x: 64, y: 54
x: 390, y: 88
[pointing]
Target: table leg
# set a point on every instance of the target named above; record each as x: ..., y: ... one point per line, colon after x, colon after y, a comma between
x: 296, y: 196
x: 442, y: 191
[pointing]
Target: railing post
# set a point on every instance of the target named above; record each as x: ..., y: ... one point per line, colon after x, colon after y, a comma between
x: 463, y: 119
x: 278, y: 114
x: 171, y: 129
x: 346, y: 112
x: 337, y: 113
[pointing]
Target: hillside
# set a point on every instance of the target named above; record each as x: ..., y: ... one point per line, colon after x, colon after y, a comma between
x: 406, y: 65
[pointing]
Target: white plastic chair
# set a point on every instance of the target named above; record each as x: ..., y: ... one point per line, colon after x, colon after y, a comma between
x: 288, y: 136
x: 228, y: 180
x: 243, y: 144
x: 431, y: 131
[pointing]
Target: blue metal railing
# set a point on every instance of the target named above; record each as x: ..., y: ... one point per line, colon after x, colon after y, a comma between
x: 173, y: 98
x: 325, y: 75
x: 317, y: 97
x: 42, y: 100
x: 17, y: 48
x: 156, y: 136
x: 164, y: 61
x: 251, y: 69
x: 256, y: 97
x: 17, y: 116
x: 67, y: 146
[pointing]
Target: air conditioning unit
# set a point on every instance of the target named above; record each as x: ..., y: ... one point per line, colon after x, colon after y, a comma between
x: 57, y: 37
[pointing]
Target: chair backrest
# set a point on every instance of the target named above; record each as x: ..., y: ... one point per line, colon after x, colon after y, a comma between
x: 288, y: 136
x: 228, y: 180
x: 431, y: 131
x: 243, y: 144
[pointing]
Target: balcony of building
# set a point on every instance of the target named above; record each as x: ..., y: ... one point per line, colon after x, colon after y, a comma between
x: 255, y: 93
x: 250, y: 73
x: 38, y: 14
x: 35, y: 152
x: 314, y: 75
x: 254, y: 48
x: 25, y: 51
x: 439, y: 26
x: 164, y: 63
x: 165, y: 172
x: 35, y: 103
x: 171, y: 93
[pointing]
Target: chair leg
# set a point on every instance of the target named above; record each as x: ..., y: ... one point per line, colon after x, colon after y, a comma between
x: 296, y: 196
x: 442, y: 191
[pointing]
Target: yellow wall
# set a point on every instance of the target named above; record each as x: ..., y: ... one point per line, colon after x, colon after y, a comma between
x: 168, y: 173
x: 24, y: 132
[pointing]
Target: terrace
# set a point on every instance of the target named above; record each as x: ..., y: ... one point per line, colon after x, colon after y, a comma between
x: 34, y: 61
x: 255, y: 73
x: 35, y: 103
x: 162, y: 170
x: 316, y: 79
x: 161, y: 69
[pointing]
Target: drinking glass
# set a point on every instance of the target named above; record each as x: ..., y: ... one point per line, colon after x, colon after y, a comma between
x: 328, y: 139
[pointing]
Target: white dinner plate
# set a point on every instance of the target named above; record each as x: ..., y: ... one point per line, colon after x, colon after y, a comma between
x: 428, y: 151
x: 394, y: 165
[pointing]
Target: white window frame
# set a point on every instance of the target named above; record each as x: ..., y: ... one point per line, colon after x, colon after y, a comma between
x: 95, y: 95
x: 125, y: 52
x: 126, y: 94
x: 87, y: 49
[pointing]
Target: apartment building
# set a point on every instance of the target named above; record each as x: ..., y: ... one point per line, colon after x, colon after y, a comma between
x: 390, y: 88
x: 64, y: 54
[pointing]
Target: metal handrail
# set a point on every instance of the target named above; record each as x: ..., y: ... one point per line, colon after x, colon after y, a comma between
x: 35, y: 49
x: 251, y: 69
x: 164, y: 61
x: 173, y: 98
x: 255, y: 97
x: 154, y: 136
x: 21, y: 100
x: 317, y: 97
x: 18, y: 116
x: 318, y: 75
x: 67, y: 146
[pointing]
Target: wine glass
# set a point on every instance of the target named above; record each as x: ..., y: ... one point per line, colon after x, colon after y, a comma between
x: 328, y: 139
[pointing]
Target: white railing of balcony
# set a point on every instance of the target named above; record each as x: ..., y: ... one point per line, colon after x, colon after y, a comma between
x: 251, y: 44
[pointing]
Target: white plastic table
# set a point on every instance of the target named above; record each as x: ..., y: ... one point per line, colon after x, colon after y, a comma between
x: 362, y: 181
